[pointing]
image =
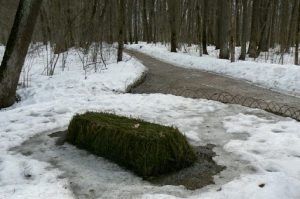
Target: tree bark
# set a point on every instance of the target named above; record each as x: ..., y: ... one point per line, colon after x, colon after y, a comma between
x: 136, y: 11
x: 232, y: 30
x: 145, y: 22
x: 121, y: 24
x: 224, y: 28
x: 264, y: 24
x: 16, y: 50
x: 238, y: 22
x: 255, y: 30
x: 297, y: 36
x: 199, y: 27
x: 293, y: 23
x: 129, y: 22
x: 244, y: 30
x: 204, y: 28
x: 284, y: 15
x: 173, y: 11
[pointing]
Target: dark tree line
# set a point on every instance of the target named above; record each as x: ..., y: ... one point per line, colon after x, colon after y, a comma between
x: 259, y: 24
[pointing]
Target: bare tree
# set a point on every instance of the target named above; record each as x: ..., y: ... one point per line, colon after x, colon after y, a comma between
x: 204, y: 29
x: 244, y: 30
x: 232, y: 30
x: 121, y: 29
x: 255, y: 29
x: 224, y: 25
x: 173, y: 18
x: 297, y: 35
x: 16, y: 50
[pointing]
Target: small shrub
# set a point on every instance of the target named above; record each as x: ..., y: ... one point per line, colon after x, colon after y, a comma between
x: 147, y: 149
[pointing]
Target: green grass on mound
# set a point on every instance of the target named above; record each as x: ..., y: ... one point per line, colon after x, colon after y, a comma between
x: 147, y: 149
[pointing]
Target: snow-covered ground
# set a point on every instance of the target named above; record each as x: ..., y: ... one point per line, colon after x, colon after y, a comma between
x: 263, y: 71
x: 261, y: 151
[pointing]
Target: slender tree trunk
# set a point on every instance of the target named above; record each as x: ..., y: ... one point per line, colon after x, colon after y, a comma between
x: 145, y: 22
x: 232, y: 31
x: 154, y: 27
x: 254, y: 37
x: 16, y: 50
x: 224, y: 28
x: 265, y: 22
x: 110, y: 34
x: 121, y: 24
x: 297, y: 37
x: 125, y: 27
x: 151, y: 21
x: 136, y: 11
x: 199, y: 27
x: 129, y: 21
x: 204, y: 28
x: 293, y: 24
x: 244, y: 30
x: 173, y: 11
x: 218, y: 24
x: 284, y: 26
x: 273, y: 20
x: 238, y: 22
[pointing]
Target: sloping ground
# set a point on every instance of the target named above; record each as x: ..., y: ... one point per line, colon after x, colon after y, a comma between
x: 163, y: 77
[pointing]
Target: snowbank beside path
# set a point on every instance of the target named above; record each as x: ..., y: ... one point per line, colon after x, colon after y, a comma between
x: 284, y: 78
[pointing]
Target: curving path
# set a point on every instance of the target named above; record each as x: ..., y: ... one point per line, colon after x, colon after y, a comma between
x: 166, y: 78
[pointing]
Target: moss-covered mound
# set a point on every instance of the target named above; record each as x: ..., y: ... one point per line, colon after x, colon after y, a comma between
x: 147, y: 149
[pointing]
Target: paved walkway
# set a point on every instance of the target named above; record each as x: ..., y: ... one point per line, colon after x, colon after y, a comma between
x: 167, y: 78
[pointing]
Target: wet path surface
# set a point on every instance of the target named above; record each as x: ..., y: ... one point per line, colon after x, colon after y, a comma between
x: 167, y: 78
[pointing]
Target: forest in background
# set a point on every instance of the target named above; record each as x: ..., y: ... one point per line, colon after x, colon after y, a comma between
x: 255, y: 25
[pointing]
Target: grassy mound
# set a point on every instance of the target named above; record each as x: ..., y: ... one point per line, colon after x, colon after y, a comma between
x: 147, y: 149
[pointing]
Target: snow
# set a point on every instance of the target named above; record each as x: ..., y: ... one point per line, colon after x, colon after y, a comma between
x: 257, y: 148
x: 278, y: 187
x: 15, y: 183
x: 283, y: 78
x: 272, y: 148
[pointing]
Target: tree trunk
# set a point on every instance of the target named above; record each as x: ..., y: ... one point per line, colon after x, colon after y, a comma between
x: 121, y: 24
x: 218, y: 24
x: 297, y: 36
x: 238, y: 22
x: 284, y: 15
x: 145, y: 22
x: 204, y: 28
x: 254, y: 37
x: 173, y: 11
x: 273, y: 30
x: 136, y: 11
x: 16, y: 50
x: 151, y: 21
x: 224, y: 28
x: 293, y: 24
x: 129, y: 22
x: 232, y: 31
x: 199, y: 27
x: 265, y: 23
x: 244, y: 31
